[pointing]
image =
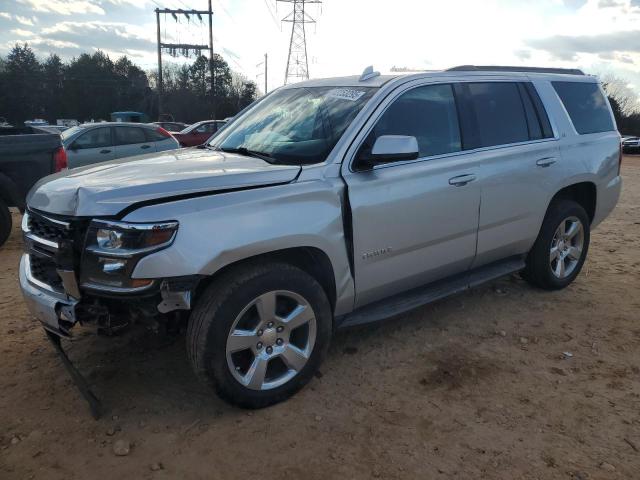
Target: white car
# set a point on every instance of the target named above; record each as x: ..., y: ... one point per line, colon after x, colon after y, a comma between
x: 98, y: 142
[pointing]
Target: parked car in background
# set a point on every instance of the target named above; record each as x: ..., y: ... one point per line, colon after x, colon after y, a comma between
x: 98, y: 142
x: 329, y: 203
x: 173, y: 127
x: 26, y: 155
x: 199, y: 132
x: 631, y: 145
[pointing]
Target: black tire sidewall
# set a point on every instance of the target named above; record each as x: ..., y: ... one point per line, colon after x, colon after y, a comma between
x: 5, y: 222
x: 233, y: 300
x: 539, y: 257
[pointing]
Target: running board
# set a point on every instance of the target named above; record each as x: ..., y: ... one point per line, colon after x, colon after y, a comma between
x: 407, y: 301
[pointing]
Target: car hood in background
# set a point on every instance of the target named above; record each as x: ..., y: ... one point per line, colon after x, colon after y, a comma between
x: 107, y: 188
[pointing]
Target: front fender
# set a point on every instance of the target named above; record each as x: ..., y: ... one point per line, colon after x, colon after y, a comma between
x: 221, y: 229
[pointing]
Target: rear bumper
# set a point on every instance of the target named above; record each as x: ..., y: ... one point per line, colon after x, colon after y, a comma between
x: 55, y: 311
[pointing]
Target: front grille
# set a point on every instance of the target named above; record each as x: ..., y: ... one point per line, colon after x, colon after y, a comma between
x: 52, y: 243
x: 43, y: 269
x: 47, y: 229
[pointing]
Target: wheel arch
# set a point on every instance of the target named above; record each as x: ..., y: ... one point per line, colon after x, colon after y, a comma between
x: 311, y: 260
x: 584, y: 193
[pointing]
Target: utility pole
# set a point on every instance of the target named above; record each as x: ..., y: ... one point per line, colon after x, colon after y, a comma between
x: 266, y: 60
x: 160, y: 85
x: 183, y: 48
x: 211, y: 69
x: 297, y: 63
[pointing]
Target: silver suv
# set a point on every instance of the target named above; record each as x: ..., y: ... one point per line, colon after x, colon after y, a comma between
x: 327, y: 204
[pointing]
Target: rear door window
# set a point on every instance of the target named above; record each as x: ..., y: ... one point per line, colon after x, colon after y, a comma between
x: 586, y: 106
x: 129, y: 135
x: 498, y: 112
x: 427, y: 113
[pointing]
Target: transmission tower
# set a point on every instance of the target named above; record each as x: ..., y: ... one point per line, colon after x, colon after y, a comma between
x: 297, y: 63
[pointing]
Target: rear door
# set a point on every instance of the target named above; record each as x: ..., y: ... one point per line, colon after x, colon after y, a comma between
x: 415, y: 221
x: 508, y: 132
x: 130, y: 141
x: 93, y: 146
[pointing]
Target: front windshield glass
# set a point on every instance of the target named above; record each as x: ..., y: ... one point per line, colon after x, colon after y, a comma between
x: 295, y: 126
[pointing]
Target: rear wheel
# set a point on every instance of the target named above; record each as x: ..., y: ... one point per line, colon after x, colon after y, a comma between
x: 5, y: 222
x: 259, y: 333
x: 561, y: 247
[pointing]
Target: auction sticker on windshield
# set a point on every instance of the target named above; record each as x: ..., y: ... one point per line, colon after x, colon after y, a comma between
x: 346, y: 94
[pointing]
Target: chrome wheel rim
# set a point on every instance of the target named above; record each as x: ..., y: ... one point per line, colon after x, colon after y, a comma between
x: 271, y: 340
x: 566, y: 247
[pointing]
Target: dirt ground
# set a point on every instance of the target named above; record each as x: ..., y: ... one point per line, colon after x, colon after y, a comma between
x: 475, y: 386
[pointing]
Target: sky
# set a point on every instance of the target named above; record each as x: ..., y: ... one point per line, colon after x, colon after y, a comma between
x: 600, y: 36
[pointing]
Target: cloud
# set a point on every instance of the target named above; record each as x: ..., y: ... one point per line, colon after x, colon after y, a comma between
x: 114, y: 36
x: 22, y: 33
x: 574, y: 4
x: 5, y: 15
x: 523, y: 54
x: 64, y: 7
x: 609, y: 4
x: 566, y: 47
x: 25, y: 20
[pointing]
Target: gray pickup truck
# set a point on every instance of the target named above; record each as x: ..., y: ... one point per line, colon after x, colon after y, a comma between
x: 26, y: 155
x: 329, y: 203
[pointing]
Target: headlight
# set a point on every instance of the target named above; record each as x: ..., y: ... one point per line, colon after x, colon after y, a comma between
x: 113, y: 249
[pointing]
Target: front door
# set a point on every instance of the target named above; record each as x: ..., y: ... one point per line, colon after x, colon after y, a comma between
x: 415, y: 221
x: 93, y: 146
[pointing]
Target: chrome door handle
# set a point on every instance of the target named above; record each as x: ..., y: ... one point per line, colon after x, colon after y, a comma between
x: 461, y: 180
x: 546, y: 162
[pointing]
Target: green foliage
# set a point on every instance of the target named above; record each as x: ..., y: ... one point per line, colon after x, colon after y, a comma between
x: 92, y: 86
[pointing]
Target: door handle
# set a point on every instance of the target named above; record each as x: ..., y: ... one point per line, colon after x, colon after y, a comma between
x: 546, y: 162
x: 145, y: 146
x: 105, y: 151
x: 461, y: 180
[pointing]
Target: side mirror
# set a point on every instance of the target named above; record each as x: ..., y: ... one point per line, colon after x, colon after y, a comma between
x: 394, y: 148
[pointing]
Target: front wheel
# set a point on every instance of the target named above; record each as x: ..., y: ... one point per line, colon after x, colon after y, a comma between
x: 561, y: 247
x: 259, y: 333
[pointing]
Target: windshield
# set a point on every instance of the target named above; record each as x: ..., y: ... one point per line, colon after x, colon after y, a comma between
x: 295, y: 126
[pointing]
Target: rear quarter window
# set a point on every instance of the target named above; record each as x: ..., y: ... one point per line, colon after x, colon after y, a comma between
x: 586, y: 105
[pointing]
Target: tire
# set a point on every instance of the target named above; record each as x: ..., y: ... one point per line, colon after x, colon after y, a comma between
x: 232, y: 301
x: 5, y: 222
x: 543, y: 268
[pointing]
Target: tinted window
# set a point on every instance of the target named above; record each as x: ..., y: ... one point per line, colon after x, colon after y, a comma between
x: 94, y: 138
x: 541, y: 113
x: 427, y: 113
x: 498, y: 112
x: 586, y: 106
x: 129, y: 135
x: 154, y: 135
x: 206, y: 128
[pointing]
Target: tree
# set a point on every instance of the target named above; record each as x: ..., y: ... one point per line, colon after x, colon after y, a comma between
x: 53, y: 71
x: 21, y: 97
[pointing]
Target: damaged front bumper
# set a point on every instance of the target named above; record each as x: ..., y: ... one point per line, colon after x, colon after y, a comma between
x: 56, y: 311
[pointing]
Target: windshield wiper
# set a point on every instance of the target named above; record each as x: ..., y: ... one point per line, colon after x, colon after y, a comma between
x: 249, y: 153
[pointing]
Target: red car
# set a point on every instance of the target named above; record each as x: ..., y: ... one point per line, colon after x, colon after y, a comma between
x: 198, y: 133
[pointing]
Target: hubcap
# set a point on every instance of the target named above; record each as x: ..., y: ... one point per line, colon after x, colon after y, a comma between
x: 271, y: 340
x: 566, y: 247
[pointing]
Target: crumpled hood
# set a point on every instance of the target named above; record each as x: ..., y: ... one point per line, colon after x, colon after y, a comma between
x: 107, y: 188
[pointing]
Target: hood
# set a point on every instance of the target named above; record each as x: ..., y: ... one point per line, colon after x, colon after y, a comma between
x: 106, y: 189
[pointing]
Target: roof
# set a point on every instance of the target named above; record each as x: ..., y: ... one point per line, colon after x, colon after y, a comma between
x: 108, y: 124
x: 464, y: 70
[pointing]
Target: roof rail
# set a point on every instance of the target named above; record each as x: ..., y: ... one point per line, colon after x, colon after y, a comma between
x: 498, y: 68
